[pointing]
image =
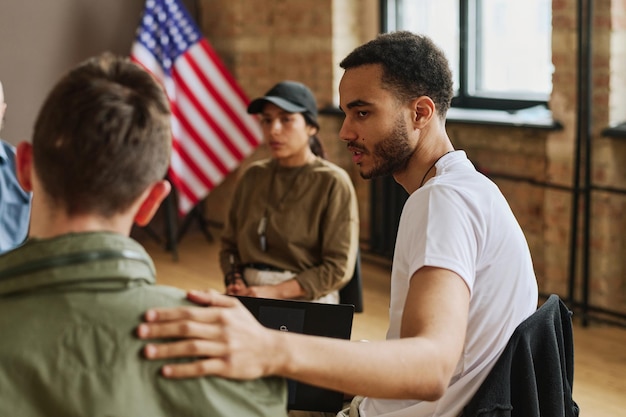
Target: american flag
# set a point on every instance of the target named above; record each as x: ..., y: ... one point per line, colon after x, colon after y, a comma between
x: 212, y: 132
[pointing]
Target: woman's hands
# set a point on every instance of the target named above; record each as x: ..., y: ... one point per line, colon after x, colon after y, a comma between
x: 289, y: 289
x: 236, y: 285
x: 225, y: 338
x: 261, y: 291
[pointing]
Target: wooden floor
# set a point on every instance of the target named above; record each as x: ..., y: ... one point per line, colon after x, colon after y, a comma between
x: 600, y: 350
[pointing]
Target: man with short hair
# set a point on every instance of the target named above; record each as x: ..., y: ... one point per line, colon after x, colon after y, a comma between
x: 462, y: 277
x: 14, y: 201
x: 71, y: 296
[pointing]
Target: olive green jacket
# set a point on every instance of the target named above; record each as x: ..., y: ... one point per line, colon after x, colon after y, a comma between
x: 69, y: 307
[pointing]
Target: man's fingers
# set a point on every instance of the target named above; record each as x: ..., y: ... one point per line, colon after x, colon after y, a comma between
x: 207, y: 315
x: 212, y: 365
x: 175, y: 313
x: 211, y: 298
x: 184, y: 349
x: 181, y: 329
x: 193, y: 369
x: 201, y: 297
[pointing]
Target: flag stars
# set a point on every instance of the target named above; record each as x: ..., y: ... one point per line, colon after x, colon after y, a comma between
x: 168, y: 19
x: 167, y: 31
x: 171, y: 6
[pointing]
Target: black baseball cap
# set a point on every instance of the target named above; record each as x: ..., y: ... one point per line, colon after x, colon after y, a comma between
x: 290, y: 96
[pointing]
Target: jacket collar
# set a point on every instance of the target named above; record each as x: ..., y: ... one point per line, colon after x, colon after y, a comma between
x: 94, y: 260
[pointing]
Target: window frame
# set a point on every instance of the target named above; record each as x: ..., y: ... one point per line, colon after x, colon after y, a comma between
x: 463, y: 98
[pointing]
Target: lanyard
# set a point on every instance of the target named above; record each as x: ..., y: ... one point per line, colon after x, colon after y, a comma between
x: 262, y: 227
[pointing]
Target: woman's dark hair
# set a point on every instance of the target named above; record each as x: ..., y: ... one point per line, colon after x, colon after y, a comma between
x: 314, y: 142
x: 293, y: 97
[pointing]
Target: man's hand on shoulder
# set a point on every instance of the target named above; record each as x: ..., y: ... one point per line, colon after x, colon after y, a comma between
x: 224, y: 336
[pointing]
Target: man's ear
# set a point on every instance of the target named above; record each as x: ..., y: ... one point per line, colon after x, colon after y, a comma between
x: 24, y: 165
x: 151, y: 202
x: 423, y: 111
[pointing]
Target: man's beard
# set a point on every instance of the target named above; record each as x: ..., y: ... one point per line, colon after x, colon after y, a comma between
x: 392, y: 154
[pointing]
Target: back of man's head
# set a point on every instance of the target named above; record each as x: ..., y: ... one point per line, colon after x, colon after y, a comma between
x: 102, y: 137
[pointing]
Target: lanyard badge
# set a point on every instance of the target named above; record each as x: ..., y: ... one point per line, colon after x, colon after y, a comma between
x: 261, y: 232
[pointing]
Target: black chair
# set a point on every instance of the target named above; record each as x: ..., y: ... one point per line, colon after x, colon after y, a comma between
x: 352, y: 292
x: 534, y: 375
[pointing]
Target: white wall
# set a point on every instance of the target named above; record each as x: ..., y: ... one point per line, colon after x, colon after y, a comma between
x: 41, y: 39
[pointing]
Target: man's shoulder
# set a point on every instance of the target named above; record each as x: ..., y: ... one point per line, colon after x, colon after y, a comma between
x: 140, y: 298
x: 85, y: 342
x: 235, y: 397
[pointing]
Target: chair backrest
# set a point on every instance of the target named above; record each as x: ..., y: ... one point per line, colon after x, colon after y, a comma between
x: 534, y: 375
x: 352, y: 292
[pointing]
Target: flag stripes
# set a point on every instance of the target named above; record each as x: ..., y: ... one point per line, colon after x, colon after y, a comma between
x: 211, y: 130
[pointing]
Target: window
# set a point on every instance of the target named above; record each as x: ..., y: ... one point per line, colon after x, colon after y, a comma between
x: 499, y: 50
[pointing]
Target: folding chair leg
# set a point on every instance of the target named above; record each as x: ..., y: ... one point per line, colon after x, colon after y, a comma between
x: 197, y: 214
x: 170, y: 226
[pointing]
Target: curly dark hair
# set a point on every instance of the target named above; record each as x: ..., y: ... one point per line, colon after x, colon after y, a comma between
x: 412, y: 64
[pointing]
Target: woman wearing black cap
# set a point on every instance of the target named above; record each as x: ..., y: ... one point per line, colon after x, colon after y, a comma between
x: 292, y: 229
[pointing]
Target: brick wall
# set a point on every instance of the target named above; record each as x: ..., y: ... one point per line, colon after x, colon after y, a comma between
x: 607, y: 240
x: 265, y: 41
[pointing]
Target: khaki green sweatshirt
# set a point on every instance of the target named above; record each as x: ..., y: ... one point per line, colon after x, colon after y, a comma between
x: 312, y: 223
